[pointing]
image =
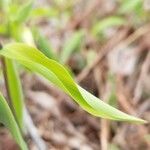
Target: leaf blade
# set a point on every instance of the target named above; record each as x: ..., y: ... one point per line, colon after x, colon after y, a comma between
x: 102, y: 25
x: 24, y: 12
x: 57, y: 74
x: 71, y: 45
x: 6, y: 117
x: 15, y: 90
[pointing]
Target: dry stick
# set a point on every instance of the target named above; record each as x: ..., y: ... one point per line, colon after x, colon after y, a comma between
x: 122, y: 98
x: 33, y: 132
x: 104, y: 135
x: 104, y: 124
x: 138, y: 89
x: 102, y: 53
x: 125, y: 104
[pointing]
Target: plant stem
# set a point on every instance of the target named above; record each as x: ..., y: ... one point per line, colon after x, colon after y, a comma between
x: 8, y: 92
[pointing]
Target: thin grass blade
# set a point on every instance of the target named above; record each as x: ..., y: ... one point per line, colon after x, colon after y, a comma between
x: 6, y: 118
x: 71, y: 45
x: 15, y: 90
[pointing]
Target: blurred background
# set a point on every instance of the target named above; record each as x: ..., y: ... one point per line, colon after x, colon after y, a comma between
x: 105, y: 45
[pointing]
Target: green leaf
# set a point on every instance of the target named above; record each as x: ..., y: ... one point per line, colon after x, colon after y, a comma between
x: 23, y: 12
x: 3, y: 29
x: 102, y: 25
x: 44, y: 12
x: 43, y: 44
x: 58, y: 75
x: 6, y: 117
x: 128, y: 6
x: 71, y: 45
x: 15, y: 91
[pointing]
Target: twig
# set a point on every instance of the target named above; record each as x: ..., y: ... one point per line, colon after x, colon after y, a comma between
x: 138, y: 89
x: 104, y: 135
x: 123, y: 99
x: 104, y: 124
x: 125, y: 104
x: 33, y: 132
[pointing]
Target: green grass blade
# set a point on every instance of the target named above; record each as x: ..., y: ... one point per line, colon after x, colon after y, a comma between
x: 102, y: 25
x: 24, y: 12
x: 43, y: 44
x: 6, y: 117
x: 44, y: 12
x: 58, y: 75
x: 71, y: 45
x: 15, y: 90
x: 128, y: 6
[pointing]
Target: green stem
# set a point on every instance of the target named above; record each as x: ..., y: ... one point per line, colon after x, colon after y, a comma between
x: 8, y: 91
